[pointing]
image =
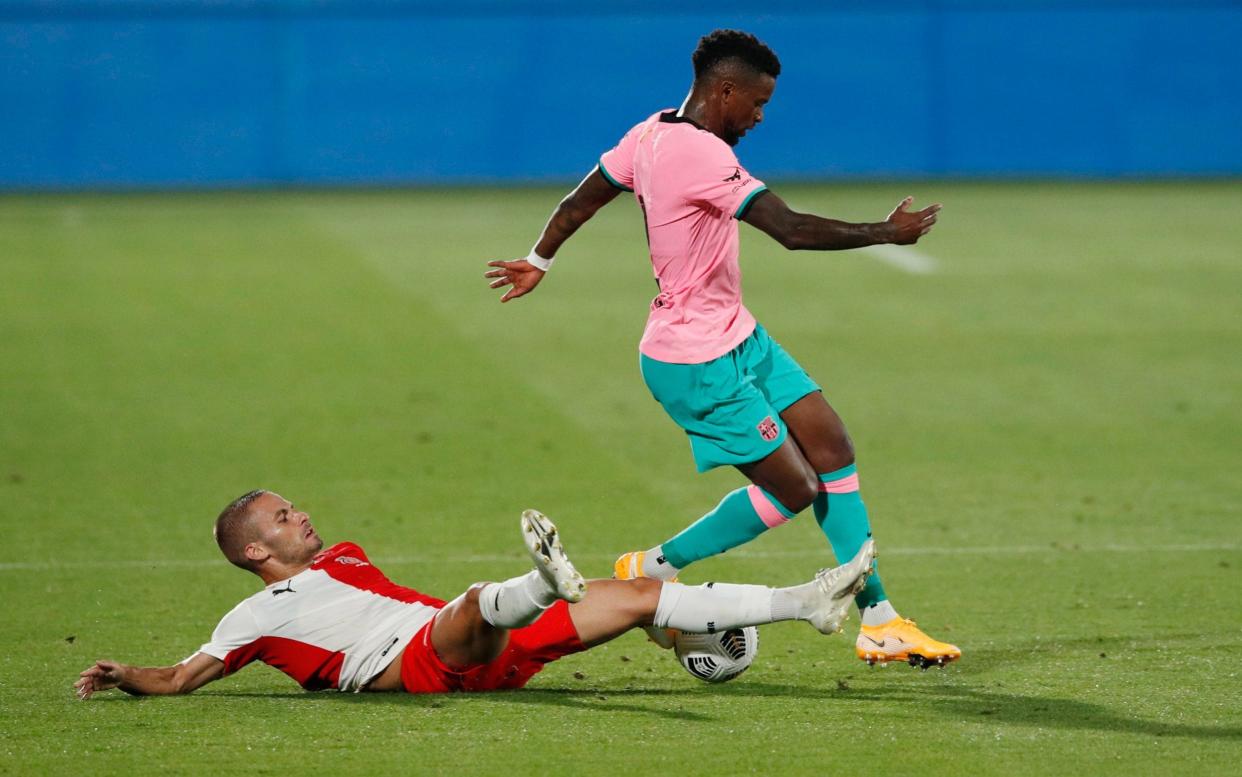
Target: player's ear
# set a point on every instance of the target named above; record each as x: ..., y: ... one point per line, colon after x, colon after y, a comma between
x: 256, y: 553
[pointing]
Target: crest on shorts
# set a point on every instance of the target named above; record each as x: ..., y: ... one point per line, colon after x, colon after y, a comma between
x: 768, y: 429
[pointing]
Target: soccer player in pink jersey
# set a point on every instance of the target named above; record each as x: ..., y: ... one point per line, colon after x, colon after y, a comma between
x: 741, y: 399
x: 330, y: 619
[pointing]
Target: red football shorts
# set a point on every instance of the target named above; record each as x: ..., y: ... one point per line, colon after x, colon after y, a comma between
x: 551, y: 637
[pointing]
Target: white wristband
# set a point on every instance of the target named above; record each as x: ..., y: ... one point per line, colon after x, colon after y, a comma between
x: 539, y: 261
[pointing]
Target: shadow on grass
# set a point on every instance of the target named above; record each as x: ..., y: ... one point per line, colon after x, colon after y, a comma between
x: 965, y: 703
x: 589, y: 700
x: 974, y: 704
x: 965, y: 698
x: 669, y: 704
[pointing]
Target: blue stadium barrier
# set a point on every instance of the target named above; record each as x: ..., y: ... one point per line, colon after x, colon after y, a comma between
x: 212, y: 93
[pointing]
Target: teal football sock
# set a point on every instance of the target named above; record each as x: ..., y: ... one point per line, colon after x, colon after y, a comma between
x: 842, y: 516
x: 740, y: 517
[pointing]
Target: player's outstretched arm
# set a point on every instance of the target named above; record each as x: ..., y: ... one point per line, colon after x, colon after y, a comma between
x: 593, y: 193
x: 149, y: 681
x: 809, y: 232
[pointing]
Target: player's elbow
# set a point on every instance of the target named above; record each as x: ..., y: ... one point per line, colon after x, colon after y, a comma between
x: 789, y: 241
x: 790, y: 234
x: 571, y: 214
x: 180, y: 682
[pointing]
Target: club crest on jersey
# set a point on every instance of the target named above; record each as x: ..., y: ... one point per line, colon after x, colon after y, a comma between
x: 768, y: 429
x: 351, y: 560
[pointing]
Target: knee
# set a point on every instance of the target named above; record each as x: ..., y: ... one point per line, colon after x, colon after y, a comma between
x: 837, y: 452
x: 808, y: 489
x: 468, y: 602
x: 845, y: 452
x: 644, y: 600
x: 800, y: 494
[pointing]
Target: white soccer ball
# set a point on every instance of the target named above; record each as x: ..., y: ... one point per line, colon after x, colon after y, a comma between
x: 717, y: 658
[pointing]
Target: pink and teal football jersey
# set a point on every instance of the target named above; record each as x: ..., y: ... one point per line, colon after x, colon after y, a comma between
x: 692, y: 190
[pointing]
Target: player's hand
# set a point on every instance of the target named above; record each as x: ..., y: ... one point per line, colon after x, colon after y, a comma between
x: 520, y: 274
x: 100, y: 677
x: 908, y: 226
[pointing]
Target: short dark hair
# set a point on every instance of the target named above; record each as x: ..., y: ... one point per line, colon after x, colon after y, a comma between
x: 720, y: 45
x: 233, y: 532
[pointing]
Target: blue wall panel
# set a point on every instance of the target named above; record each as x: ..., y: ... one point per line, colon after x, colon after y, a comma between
x: 135, y: 93
x: 1093, y: 91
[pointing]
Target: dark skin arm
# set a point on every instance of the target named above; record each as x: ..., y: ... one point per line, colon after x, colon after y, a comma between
x: 804, y: 231
x: 575, y: 210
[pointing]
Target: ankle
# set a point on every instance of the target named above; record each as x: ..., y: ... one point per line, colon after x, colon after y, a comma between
x: 879, y: 613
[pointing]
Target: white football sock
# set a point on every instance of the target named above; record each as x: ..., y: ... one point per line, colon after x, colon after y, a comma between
x: 792, y: 603
x: 713, y: 607
x: 516, y: 602
x: 797, y: 602
x: 655, y: 565
x: 878, y: 614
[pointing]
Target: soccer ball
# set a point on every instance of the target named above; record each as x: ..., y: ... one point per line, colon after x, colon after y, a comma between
x: 717, y: 658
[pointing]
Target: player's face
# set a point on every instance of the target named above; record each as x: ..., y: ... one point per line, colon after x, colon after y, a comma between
x: 283, y: 530
x: 744, y: 105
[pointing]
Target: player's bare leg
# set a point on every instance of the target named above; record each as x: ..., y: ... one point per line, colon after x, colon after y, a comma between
x: 613, y: 607
x: 474, y: 628
x: 819, y: 433
x: 460, y: 635
x: 885, y: 636
x: 629, y: 566
x: 786, y: 474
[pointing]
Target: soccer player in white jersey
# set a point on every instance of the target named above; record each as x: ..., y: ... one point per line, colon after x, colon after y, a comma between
x: 331, y: 619
x: 741, y: 399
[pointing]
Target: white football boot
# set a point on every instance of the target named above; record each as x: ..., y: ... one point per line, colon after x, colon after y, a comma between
x: 837, y: 587
x: 544, y: 545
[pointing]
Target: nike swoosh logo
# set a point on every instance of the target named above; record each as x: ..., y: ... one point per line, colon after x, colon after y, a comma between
x: 878, y: 644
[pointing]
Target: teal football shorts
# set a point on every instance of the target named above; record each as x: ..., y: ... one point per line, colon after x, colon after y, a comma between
x: 730, y: 407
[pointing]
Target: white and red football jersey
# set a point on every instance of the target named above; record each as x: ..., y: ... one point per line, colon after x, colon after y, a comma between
x: 336, y: 625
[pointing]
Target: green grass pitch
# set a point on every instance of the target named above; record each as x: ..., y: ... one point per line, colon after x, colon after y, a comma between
x: 1047, y: 425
